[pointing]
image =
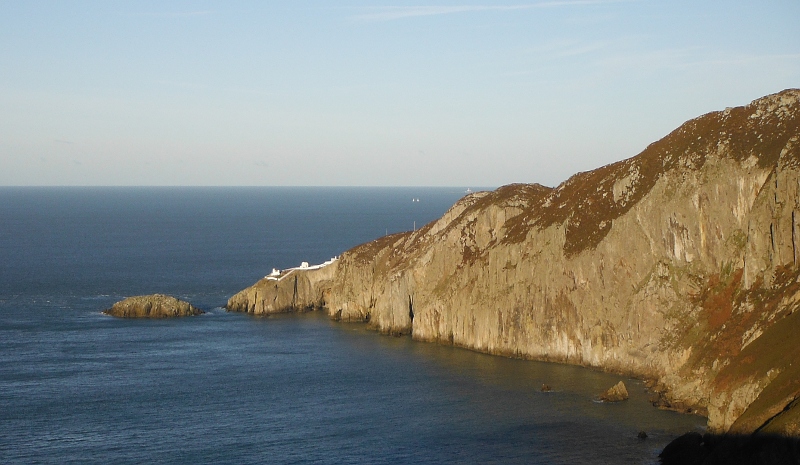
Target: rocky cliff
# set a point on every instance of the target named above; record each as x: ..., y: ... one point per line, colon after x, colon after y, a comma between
x: 152, y: 306
x: 678, y: 265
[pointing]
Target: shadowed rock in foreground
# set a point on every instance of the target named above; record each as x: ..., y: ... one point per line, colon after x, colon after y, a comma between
x: 710, y: 449
x: 152, y: 306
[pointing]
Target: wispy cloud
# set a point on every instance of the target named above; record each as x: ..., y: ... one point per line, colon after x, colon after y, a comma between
x: 608, y: 61
x: 568, y: 48
x: 182, y: 84
x: 197, y: 86
x: 178, y: 14
x: 391, y: 13
x: 695, y: 57
x: 750, y: 59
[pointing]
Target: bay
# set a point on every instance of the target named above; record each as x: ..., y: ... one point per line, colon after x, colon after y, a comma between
x: 80, y: 387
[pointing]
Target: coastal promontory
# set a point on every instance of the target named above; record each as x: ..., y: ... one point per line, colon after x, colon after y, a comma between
x: 680, y: 266
x: 152, y: 306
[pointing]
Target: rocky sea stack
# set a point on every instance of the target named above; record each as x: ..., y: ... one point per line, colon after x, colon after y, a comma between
x: 680, y: 266
x: 152, y: 306
x: 616, y: 393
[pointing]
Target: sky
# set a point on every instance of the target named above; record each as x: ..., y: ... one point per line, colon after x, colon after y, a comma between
x: 355, y: 93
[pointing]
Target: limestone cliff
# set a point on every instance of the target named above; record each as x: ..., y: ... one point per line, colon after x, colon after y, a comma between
x: 678, y: 265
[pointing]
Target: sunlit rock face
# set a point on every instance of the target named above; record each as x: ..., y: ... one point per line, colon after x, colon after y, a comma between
x: 678, y: 265
x: 152, y: 306
x: 295, y: 290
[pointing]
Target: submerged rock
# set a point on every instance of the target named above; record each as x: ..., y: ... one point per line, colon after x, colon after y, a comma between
x: 152, y: 306
x: 616, y: 393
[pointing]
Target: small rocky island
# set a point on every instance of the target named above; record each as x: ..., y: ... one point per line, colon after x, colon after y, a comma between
x: 152, y: 306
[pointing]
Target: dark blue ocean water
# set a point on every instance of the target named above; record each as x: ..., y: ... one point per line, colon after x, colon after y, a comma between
x: 80, y: 387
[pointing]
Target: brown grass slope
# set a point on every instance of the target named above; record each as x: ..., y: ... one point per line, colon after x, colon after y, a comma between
x: 586, y: 204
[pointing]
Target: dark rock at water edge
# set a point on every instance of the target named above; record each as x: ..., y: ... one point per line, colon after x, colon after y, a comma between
x: 730, y: 449
x: 152, y: 306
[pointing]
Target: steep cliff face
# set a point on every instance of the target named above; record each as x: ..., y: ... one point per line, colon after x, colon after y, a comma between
x: 678, y: 265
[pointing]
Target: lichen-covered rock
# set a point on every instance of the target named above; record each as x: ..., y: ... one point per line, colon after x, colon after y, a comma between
x: 152, y: 306
x: 616, y: 393
x: 679, y: 265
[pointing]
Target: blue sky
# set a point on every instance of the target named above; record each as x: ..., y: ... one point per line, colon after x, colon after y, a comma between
x: 459, y: 93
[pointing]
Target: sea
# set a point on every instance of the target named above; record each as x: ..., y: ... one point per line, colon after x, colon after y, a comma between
x: 80, y: 387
